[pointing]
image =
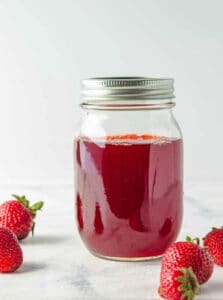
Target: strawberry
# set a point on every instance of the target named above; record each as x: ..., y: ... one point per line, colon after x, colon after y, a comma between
x: 18, y: 215
x: 214, y: 244
x: 11, y: 256
x: 188, y: 254
x: 179, y: 284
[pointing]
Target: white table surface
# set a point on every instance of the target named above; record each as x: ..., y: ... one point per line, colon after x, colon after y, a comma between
x: 57, y: 266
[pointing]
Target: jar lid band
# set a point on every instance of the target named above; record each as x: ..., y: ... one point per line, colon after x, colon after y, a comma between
x: 106, y: 89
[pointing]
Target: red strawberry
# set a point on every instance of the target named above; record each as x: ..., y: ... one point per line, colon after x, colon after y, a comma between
x: 214, y: 243
x: 18, y: 215
x: 10, y: 251
x: 185, y: 255
x: 179, y: 284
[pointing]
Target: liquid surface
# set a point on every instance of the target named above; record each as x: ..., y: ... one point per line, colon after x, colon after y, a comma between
x: 129, y: 194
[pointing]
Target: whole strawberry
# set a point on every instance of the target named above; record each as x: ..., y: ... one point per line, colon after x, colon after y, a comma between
x: 11, y: 256
x: 179, y: 284
x: 214, y: 243
x: 18, y: 215
x: 188, y: 254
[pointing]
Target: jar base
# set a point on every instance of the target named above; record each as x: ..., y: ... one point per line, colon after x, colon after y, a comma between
x: 127, y: 259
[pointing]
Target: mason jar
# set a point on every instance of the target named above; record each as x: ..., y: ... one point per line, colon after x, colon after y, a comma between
x: 128, y: 168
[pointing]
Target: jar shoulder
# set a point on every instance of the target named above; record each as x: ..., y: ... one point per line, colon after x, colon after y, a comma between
x: 104, y: 123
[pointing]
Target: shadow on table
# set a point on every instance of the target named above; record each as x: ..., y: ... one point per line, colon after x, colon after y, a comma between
x: 44, y: 239
x: 213, y: 287
x: 31, y: 267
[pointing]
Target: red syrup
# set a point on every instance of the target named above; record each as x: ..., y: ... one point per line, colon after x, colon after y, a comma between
x: 129, y: 194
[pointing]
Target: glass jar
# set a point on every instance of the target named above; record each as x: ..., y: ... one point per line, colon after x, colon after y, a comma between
x: 128, y: 167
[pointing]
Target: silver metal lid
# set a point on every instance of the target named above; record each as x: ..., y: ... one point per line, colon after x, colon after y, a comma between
x: 126, y: 88
x: 115, y: 93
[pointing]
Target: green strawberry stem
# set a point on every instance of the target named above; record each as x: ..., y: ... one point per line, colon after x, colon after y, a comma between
x: 33, y: 208
x: 195, y: 240
x: 188, y: 284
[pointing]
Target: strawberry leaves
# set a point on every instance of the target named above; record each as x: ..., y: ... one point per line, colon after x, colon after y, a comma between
x: 195, y: 240
x: 188, y: 284
x: 33, y: 208
x: 22, y: 199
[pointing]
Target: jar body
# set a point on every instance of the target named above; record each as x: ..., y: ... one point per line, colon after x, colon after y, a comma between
x: 129, y: 182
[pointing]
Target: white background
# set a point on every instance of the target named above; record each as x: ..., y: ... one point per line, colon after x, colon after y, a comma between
x: 47, y: 46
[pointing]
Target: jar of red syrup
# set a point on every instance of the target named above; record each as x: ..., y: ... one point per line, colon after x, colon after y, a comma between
x: 128, y: 167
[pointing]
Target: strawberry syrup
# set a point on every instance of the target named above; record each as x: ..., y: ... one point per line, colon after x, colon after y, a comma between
x: 129, y: 194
